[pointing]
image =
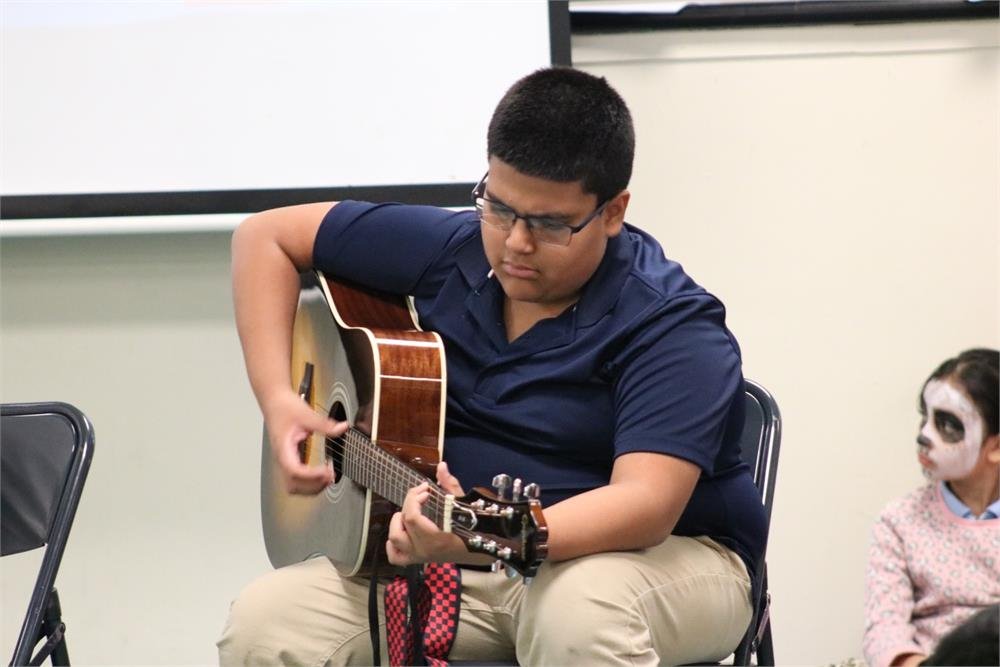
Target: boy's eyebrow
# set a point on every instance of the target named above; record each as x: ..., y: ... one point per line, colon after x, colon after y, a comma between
x: 560, y: 217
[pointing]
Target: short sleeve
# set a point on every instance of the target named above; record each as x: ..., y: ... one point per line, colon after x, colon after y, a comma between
x: 389, y: 247
x: 678, y: 383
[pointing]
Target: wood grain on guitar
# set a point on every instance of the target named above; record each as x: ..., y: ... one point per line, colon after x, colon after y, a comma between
x: 358, y: 355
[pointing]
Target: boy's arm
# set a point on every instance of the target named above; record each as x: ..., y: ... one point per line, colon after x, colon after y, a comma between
x: 269, y: 250
x: 637, y: 509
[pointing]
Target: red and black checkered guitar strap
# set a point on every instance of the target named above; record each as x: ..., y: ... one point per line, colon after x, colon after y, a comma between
x: 436, y: 603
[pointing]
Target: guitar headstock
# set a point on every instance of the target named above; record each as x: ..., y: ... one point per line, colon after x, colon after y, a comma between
x: 511, y: 528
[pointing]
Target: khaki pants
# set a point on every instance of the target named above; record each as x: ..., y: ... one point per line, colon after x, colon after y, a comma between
x: 686, y: 600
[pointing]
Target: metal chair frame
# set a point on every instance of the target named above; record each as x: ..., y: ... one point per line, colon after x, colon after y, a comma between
x: 43, y: 618
x: 763, y: 462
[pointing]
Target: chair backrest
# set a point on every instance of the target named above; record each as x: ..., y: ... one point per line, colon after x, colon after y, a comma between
x: 760, y: 445
x: 761, y: 440
x: 46, y: 449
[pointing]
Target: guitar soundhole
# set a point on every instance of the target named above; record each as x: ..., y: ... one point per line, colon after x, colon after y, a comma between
x: 335, y: 448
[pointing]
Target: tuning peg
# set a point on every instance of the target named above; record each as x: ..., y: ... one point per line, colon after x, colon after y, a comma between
x: 501, y: 482
x: 516, y: 491
x: 496, y: 566
x: 510, y: 572
x: 532, y: 491
x: 504, y: 553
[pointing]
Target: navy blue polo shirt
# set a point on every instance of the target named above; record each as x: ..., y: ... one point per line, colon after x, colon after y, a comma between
x: 642, y: 363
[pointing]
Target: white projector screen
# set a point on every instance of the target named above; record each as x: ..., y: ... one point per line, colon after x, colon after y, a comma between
x: 210, y: 96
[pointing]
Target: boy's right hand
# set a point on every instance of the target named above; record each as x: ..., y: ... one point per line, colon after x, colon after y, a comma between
x: 290, y: 420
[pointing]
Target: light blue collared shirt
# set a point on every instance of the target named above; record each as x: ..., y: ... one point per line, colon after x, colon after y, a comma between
x: 958, y: 508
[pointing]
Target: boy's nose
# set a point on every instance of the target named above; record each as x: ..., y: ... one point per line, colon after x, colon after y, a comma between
x: 520, y: 238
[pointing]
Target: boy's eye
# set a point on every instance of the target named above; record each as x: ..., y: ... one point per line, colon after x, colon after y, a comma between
x: 949, y: 426
x: 501, y: 210
x: 548, y: 224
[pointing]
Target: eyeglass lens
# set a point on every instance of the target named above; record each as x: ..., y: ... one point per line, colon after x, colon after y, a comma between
x: 544, y: 230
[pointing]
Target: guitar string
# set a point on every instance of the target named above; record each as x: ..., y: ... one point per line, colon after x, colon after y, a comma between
x: 395, y: 475
x: 456, y: 528
x: 380, y: 461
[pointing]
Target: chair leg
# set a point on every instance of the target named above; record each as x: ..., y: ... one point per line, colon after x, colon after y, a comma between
x: 765, y: 650
x: 741, y: 656
x: 60, y: 655
x: 53, y: 631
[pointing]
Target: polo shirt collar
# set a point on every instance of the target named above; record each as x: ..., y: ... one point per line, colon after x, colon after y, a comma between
x: 599, y: 296
x: 602, y: 291
x: 471, y: 260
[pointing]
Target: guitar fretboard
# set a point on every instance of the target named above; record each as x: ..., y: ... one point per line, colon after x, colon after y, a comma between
x: 373, y: 468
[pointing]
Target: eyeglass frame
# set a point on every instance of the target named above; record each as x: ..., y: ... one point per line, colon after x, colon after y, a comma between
x: 479, y: 192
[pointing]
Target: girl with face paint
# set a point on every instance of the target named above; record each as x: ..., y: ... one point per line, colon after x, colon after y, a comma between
x: 951, y: 432
x: 957, y: 443
x: 935, y: 553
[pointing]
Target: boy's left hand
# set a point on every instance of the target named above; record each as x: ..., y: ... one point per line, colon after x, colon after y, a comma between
x: 414, y: 538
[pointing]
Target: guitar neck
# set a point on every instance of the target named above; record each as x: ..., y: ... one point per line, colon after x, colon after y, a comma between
x: 373, y: 468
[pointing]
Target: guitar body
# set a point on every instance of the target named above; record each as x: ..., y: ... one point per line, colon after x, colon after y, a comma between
x: 356, y: 355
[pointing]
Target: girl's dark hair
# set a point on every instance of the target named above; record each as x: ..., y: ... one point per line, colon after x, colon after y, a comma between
x: 565, y: 125
x: 977, y: 370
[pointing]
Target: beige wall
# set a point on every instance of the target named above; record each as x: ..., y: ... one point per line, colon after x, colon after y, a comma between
x: 137, y: 332
x: 838, y: 188
x: 835, y: 186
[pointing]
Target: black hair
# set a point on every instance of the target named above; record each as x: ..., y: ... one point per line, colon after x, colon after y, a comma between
x: 974, y: 642
x: 978, y: 371
x: 565, y: 125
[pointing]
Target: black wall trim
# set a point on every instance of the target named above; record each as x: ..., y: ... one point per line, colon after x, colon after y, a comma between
x: 750, y: 15
x: 111, y: 204
x: 559, y: 32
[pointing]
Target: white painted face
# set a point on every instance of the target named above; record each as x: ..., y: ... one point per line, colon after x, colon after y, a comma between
x: 951, y: 433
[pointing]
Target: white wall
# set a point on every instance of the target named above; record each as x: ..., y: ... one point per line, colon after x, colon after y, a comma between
x: 835, y: 186
x: 197, y: 92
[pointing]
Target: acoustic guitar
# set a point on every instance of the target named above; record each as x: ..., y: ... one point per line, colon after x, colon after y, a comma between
x: 359, y: 355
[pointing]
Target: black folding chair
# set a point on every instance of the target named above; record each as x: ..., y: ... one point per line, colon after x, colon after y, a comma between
x: 760, y: 445
x: 45, y: 452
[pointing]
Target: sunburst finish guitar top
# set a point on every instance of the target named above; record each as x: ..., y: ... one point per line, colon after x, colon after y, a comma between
x: 359, y: 355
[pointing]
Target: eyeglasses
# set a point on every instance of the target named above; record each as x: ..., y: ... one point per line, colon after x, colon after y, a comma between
x: 544, y: 230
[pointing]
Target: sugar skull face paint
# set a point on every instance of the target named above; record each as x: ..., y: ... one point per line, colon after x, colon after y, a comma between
x: 951, y: 432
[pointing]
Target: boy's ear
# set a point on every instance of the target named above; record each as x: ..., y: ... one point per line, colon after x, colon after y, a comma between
x: 992, y: 447
x: 615, y: 211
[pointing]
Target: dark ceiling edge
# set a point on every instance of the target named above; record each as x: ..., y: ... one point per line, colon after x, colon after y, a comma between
x: 114, y: 204
x: 749, y: 15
